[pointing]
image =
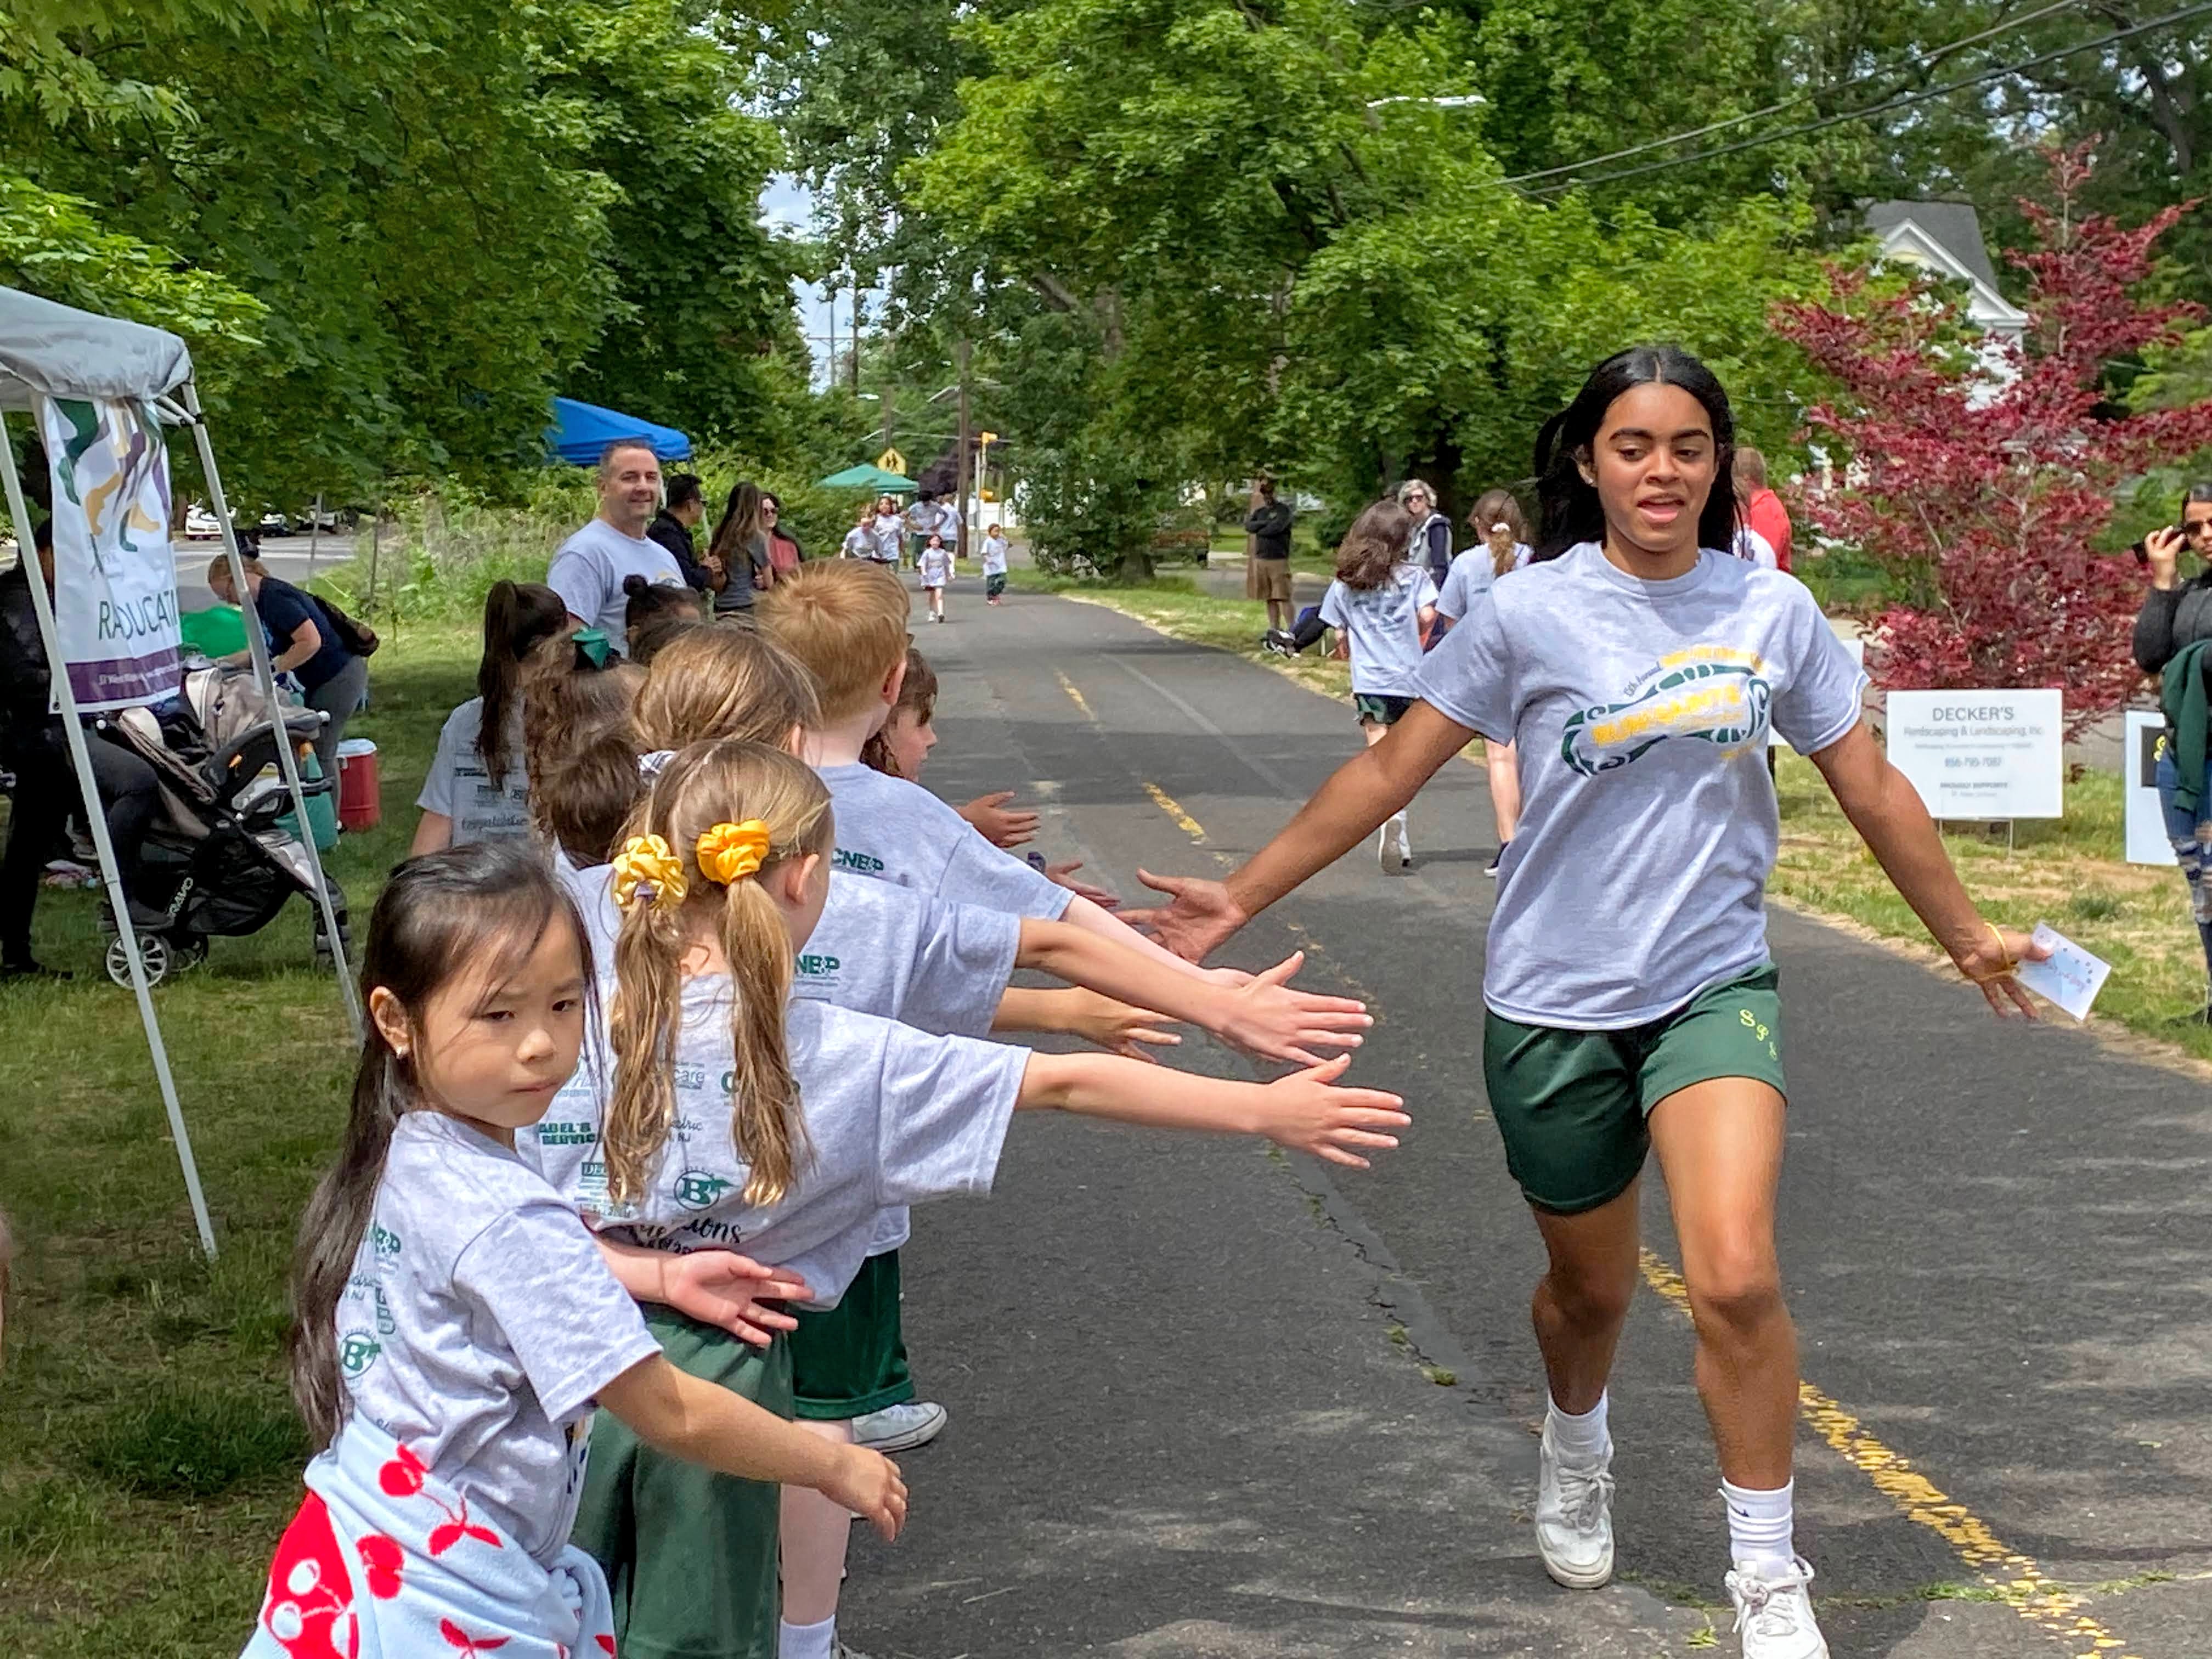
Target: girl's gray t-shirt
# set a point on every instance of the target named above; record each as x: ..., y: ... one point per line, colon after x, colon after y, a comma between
x: 892, y: 1116
x: 1640, y: 711
x: 898, y: 831
x: 1474, y: 573
x: 478, y: 1323
x: 460, y: 787
x: 1383, y: 624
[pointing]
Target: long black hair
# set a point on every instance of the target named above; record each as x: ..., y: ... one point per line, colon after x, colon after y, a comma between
x: 438, y: 916
x: 517, y: 614
x: 1572, y: 511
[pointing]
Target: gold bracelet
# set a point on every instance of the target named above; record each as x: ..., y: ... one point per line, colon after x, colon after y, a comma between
x: 2003, y: 949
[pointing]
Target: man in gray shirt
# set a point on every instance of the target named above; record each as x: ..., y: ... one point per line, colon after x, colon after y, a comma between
x: 587, y: 571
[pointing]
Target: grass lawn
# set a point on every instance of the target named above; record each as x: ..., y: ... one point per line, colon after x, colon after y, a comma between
x: 148, y: 1454
x: 2066, y: 872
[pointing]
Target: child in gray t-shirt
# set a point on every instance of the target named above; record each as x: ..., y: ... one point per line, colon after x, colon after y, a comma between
x: 456, y: 1323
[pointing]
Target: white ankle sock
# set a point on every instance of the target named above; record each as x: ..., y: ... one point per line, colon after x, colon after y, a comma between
x: 1759, y: 1533
x: 1580, y: 1439
x: 807, y: 1641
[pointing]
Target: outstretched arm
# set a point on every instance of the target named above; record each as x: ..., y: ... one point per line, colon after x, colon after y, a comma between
x: 716, y: 1287
x: 683, y: 1416
x: 1302, y: 1111
x: 1886, y: 812
x: 1113, y: 1025
x: 1344, y: 811
x: 1264, y: 1018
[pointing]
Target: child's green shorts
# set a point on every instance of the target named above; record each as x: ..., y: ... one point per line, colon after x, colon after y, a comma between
x: 1571, y: 1104
x: 689, y: 1554
x: 851, y: 1360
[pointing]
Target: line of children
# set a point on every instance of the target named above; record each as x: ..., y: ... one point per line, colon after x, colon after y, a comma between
x: 715, y: 1110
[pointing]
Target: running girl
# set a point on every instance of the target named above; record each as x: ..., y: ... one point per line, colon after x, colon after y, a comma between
x: 454, y: 1322
x: 1640, y: 665
x: 477, y: 788
x: 1503, y: 549
x: 936, y: 571
x: 1383, y: 606
x: 995, y: 548
x: 727, y: 1114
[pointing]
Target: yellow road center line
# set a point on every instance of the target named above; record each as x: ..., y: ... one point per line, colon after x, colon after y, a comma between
x: 1076, y: 696
x: 1167, y: 804
x: 2022, y: 1585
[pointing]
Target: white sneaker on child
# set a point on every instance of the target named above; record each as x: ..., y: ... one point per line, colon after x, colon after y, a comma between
x: 1574, y: 1517
x: 902, y: 1427
x: 1774, y: 1611
x: 1394, y: 848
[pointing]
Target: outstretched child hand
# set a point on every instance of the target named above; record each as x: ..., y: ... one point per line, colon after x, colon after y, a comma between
x: 999, y: 825
x: 732, y: 1292
x: 1304, y: 1110
x: 1273, y: 1021
x: 1117, y: 1027
x: 868, y: 1483
x: 1063, y: 875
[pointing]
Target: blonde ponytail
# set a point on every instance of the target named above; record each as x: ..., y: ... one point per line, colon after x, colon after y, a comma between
x: 680, y: 876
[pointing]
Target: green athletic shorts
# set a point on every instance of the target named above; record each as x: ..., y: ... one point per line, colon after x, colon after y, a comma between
x: 689, y: 1554
x: 1571, y: 1104
x: 852, y: 1360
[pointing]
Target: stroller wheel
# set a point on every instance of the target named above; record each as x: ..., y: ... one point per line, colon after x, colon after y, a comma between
x: 153, y: 951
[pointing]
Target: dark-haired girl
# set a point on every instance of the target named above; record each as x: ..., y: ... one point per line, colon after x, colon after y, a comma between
x: 1632, y: 1004
x: 1501, y: 548
x: 477, y: 788
x: 455, y: 1324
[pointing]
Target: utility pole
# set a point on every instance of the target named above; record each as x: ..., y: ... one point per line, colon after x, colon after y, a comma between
x: 960, y: 353
x: 856, y: 338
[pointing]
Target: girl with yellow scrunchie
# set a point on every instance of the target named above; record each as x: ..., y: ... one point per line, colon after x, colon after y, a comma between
x: 728, y: 1116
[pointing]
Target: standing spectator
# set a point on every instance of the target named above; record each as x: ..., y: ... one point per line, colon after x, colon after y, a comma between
x: 1763, y: 512
x: 1267, y: 571
x: 1430, y: 543
x: 891, y: 531
x: 672, y: 527
x: 587, y: 571
x: 737, y: 559
x: 784, y: 552
x: 2176, y: 616
x: 860, y: 541
x: 301, y: 643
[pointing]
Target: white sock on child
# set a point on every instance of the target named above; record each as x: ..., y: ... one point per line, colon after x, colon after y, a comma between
x: 807, y: 1641
x: 1760, y: 1526
x: 1582, y: 1439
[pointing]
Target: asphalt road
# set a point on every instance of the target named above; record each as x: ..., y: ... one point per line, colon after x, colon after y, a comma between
x: 1208, y: 1401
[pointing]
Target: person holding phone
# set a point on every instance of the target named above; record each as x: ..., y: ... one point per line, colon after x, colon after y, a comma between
x: 2176, y: 615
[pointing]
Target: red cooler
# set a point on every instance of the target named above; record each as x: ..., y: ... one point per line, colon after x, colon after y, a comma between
x: 360, y: 799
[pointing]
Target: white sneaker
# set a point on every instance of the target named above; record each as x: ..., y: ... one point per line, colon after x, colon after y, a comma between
x: 902, y: 1427
x: 1394, y: 850
x: 1574, y: 1517
x: 1774, y: 1612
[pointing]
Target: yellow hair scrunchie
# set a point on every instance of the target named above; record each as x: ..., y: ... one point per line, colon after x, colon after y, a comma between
x: 647, y: 861
x: 731, y: 852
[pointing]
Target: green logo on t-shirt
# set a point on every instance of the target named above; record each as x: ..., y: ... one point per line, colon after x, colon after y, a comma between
x: 816, y: 967
x: 383, y: 1240
x: 695, y: 1190
x: 567, y: 1134
x: 866, y: 863
x: 357, y: 1352
x: 1716, y: 693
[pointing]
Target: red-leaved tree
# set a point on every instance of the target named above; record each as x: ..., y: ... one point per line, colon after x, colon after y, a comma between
x: 1978, y: 476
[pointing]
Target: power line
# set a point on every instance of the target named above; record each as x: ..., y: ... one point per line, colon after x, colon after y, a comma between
x: 1887, y: 106
x: 1791, y: 102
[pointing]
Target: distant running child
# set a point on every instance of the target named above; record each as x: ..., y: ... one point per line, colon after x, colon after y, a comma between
x: 477, y: 788
x: 727, y: 1115
x: 860, y: 541
x: 455, y: 1324
x: 1498, y: 519
x: 1383, y: 606
x: 995, y: 549
x: 936, y: 572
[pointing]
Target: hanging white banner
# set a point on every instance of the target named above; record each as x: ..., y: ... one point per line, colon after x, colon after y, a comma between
x: 115, y: 580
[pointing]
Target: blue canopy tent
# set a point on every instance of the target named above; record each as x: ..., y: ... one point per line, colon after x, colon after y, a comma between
x: 581, y: 431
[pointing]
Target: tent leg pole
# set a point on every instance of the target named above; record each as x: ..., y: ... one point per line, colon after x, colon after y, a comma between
x: 257, y: 643
x: 110, y: 873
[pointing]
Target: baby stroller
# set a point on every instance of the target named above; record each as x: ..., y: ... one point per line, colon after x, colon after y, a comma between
x: 216, y: 860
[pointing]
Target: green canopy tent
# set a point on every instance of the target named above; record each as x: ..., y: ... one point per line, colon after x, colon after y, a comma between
x: 868, y: 476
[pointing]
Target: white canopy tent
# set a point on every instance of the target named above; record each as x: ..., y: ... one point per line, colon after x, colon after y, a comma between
x: 52, y: 351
